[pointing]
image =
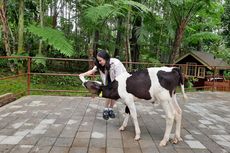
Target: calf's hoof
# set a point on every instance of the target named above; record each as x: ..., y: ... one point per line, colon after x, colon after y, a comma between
x: 122, y: 128
x: 163, y: 143
x: 137, y: 137
x: 176, y: 140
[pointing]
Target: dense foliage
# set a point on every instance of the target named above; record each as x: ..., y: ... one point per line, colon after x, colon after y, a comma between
x: 134, y: 30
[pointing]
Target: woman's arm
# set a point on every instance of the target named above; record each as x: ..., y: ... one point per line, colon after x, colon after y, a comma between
x: 88, y: 73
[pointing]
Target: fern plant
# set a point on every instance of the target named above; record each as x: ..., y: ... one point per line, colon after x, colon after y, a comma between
x: 203, y: 36
x: 54, y: 38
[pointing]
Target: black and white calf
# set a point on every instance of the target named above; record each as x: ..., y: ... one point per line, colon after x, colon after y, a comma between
x: 153, y: 84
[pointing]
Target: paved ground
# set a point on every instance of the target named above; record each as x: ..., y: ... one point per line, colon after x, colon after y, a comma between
x: 42, y: 124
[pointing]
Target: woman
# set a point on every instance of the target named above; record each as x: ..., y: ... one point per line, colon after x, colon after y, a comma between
x: 109, y: 69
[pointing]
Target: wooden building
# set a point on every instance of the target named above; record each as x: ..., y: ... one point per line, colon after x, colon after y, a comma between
x: 203, y: 66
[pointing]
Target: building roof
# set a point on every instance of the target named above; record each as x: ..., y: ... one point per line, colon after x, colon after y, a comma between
x: 207, y: 59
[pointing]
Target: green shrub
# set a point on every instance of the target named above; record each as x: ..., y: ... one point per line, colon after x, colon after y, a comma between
x: 3, y: 62
x: 227, y: 75
x: 56, y: 80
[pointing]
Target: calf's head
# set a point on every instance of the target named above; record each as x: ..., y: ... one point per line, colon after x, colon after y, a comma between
x: 93, y: 87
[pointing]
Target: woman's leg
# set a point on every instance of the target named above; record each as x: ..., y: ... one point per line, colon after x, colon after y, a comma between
x: 111, y: 104
x: 108, y: 110
x: 107, y: 103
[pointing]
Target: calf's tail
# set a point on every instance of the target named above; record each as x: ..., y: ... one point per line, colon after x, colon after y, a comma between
x: 181, y: 83
x: 183, y: 92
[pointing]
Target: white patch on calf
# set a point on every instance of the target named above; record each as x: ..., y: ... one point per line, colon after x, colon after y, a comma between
x: 157, y: 92
x: 121, y: 79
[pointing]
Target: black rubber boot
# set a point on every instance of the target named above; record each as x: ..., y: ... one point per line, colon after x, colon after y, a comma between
x: 106, y: 114
x: 111, y: 114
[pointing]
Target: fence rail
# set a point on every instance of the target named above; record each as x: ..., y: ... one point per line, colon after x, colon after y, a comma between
x: 84, y: 64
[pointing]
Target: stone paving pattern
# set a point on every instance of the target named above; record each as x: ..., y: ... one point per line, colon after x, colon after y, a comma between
x: 56, y: 124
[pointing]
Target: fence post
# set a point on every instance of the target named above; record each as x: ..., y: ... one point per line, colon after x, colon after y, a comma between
x: 28, y: 75
x: 213, y: 84
x: 228, y: 85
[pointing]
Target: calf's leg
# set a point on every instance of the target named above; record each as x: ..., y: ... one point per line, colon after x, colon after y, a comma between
x: 130, y: 103
x: 125, y: 122
x: 133, y: 113
x: 178, y: 117
x: 169, y: 121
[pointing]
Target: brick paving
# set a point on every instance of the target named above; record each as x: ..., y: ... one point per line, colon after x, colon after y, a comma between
x: 56, y: 124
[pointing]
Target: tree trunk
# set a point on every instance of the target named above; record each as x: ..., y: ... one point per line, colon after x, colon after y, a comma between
x: 69, y: 16
x: 118, y: 39
x: 127, y: 43
x: 41, y: 24
x: 95, y: 43
x: 5, y: 27
x: 90, y: 57
x: 55, y: 15
x: 77, y: 30
x: 13, y: 41
x: 177, y: 41
x: 135, y: 48
x: 5, y: 31
x: 21, y: 28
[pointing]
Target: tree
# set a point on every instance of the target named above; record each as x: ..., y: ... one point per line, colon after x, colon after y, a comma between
x: 41, y: 24
x: 118, y: 36
x: 183, y: 11
x: 134, y: 30
x: 203, y: 32
x: 5, y: 27
x: 134, y: 45
x: 49, y: 36
x: 97, y: 15
x: 226, y: 23
x: 21, y: 28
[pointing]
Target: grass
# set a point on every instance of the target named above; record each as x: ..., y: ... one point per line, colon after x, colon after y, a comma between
x: 18, y: 86
x: 82, y: 90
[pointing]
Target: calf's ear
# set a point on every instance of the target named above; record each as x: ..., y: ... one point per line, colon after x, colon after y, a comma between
x: 93, y: 87
x: 97, y: 86
x: 84, y: 84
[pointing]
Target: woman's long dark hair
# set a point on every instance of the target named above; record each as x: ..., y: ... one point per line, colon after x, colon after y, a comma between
x: 103, y: 54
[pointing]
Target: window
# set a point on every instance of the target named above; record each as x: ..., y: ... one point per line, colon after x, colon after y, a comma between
x: 191, y: 69
x: 201, y: 72
x: 182, y: 68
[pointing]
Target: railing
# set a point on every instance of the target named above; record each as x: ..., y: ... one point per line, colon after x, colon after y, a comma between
x: 14, y: 77
x: 70, y: 67
x: 27, y: 74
